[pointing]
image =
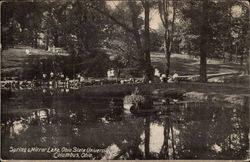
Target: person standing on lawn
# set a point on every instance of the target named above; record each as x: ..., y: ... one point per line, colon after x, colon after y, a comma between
x: 175, y: 76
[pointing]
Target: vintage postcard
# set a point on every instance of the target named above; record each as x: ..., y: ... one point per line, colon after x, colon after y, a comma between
x: 125, y: 80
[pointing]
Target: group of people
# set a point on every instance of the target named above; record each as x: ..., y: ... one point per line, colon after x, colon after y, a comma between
x: 163, y: 78
x: 60, y: 79
x: 53, y: 76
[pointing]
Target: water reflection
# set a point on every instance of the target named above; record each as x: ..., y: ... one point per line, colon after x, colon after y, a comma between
x: 188, y: 131
x: 221, y: 133
x: 111, y: 152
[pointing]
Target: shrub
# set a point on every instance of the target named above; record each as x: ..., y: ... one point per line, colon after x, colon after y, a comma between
x: 134, y: 98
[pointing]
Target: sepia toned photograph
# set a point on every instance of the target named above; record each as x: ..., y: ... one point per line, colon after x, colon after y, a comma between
x: 125, y: 80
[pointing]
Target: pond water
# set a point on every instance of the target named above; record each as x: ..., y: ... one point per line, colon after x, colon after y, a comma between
x: 40, y: 124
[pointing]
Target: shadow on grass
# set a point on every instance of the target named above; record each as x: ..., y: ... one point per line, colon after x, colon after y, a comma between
x: 180, y: 65
x: 184, y: 66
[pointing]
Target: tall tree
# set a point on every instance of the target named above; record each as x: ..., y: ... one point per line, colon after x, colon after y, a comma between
x: 204, y: 41
x: 132, y: 24
x: 213, y: 30
x: 199, y: 31
x: 146, y: 6
x: 20, y: 26
x: 169, y: 28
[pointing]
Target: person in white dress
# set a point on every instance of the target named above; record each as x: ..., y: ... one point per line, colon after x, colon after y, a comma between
x: 175, y: 76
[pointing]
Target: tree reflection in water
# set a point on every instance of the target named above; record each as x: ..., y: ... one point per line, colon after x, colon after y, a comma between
x: 206, y: 131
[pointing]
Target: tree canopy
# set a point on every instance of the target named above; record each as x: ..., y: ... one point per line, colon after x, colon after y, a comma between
x: 93, y: 31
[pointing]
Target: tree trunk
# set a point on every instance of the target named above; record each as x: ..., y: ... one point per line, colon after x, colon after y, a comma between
x: 47, y: 41
x: 56, y: 40
x: 247, y: 63
x: 36, y: 37
x: 236, y: 53
x: 172, y: 139
x: 147, y: 43
x: 223, y: 51
x: 179, y: 49
x: 168, y: 34
x: 164, y: 153
x: 139, y: 47
x: 85, y: 20
x: 204, y: 42
x: 241, y: 59
x: 147, y: 136
x: 167, y: 54
x: 137, y: 36
x: 118, y: 72
x: 231, y: 57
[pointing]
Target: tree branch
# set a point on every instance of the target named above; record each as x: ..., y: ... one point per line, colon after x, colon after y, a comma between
x: 160, y: 12
x: 172, y: 24
x: 143, y: 3
x: 105, y: 13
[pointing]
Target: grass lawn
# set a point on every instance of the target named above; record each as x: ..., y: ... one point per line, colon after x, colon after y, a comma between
x: 188, y: 65
x: 13, y: 59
